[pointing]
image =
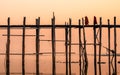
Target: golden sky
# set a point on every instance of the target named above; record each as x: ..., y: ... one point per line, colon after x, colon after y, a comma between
x: 63, y: 9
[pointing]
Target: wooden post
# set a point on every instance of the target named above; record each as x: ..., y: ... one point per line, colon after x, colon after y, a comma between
x: 37, y: 45
x: 100, y: 42
x: 23, y: 47
x: 53, y: 46
x: 85, y: 62
x: 95, y: 59
x: 115, y: 46
x: 83, y: 52
x: 84, y: 37
x: 83, y: 21
x: 109, y: 47
x: 8, y: 49
x: 79, y: 33
x: 69, y: 46
x: 66, y: 47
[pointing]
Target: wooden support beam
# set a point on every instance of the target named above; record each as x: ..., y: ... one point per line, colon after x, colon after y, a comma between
x: 35, y: 53
x: 55, y: 40
x: 85, y: 62
x: 23, y: 47
x: 82, y: 47
x: 37, y: 45
x: 57, y: 26
x: 70, y: 46
x: 66, y: 48
x: 79, y: 33
x: 115, y: 46
x: 22, y: 35
x: 8, y: 48
x: 95, y: 59
x: 100, y: 44
x: 109, y: 63
x: 53, y: 46
x: 83, y: 44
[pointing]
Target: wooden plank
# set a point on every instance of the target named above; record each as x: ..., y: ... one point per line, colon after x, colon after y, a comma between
x: 55, y: 40
x: 35, y: 53
x: 22, y: 35
x: 8, y: 48
x: 57, y: 26
x: 23, y: 47
x: 83, y: 44
x: 32, y: 73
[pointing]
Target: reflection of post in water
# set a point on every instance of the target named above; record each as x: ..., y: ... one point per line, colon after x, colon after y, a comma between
x: 84, y: 53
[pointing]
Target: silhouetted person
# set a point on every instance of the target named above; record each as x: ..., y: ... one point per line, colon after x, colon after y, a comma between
x: 95, y: 20
x: 86, y: 20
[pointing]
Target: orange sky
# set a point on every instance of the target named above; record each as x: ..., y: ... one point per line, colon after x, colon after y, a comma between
x: 63, y: 9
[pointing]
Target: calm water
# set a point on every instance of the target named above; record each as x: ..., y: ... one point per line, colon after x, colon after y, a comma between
x: 46, y: 65
x: 45, y: 60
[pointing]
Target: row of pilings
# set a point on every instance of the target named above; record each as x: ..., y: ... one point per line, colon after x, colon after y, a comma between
x: 83, y: 58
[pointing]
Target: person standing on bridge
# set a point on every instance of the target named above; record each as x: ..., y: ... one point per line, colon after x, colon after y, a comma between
x: 86, y: 20
x: 95, y: 20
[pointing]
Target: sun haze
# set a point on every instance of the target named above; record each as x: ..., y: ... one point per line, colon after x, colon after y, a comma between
x: 63, y: 9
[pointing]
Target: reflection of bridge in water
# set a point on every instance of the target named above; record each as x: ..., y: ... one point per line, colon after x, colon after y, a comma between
x: 97, y: 31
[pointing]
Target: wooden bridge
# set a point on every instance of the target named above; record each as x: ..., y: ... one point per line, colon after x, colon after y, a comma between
x: 83, y: 60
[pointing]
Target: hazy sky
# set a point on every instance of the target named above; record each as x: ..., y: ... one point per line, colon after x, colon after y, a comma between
x: 63, y: 9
